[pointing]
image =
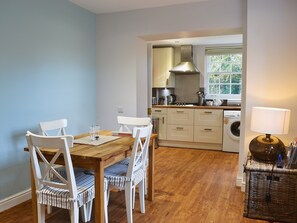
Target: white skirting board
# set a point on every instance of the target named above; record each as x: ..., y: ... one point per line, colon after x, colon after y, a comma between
x: 15, y: 199
x: 240, y: 183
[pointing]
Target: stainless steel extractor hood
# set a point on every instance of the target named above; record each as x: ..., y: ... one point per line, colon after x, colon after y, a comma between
x: 186, y: 66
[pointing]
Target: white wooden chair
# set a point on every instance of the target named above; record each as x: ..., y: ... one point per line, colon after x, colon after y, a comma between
x: 127, y: 177
x: 55, y: 127
x: 70, y: 190
x: 125, y: 122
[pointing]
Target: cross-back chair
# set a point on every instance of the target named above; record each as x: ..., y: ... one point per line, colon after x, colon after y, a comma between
x: 127, y: 177
x: 70, y: 190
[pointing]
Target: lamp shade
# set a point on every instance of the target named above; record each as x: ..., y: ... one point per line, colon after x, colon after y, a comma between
x: 270, y: 120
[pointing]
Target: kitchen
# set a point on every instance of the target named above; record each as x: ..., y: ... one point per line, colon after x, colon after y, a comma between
x: 188, y: 113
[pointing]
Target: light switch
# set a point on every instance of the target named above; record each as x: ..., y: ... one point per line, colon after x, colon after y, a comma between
x: 120, y: 109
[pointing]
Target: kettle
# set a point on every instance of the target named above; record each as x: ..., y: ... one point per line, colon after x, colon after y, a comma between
x: 200, y: 97
x: 171, y: 99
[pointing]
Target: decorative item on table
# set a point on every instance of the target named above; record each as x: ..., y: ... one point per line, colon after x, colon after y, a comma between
x: 94, y: 132
x: 269, y: 121
x: 292, y: 156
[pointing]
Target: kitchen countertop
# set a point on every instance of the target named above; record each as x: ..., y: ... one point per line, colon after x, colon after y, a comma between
x: 199, y: 107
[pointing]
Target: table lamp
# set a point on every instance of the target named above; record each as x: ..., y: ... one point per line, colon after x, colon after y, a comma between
x: 269, y: 121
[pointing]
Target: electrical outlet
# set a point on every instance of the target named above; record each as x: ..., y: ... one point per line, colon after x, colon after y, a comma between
x: 120, y: 109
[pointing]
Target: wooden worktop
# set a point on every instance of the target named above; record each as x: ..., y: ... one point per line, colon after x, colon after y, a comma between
x: 199, y: 107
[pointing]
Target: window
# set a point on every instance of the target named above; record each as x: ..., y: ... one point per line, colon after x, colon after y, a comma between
x: 224, y: 73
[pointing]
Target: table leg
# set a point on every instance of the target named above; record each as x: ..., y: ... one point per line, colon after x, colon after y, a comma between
x: 151, y: 170
x: 99, y: 192
x: 33, y: 194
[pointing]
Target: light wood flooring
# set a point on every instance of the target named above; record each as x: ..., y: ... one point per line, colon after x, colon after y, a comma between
x: 191, y: 186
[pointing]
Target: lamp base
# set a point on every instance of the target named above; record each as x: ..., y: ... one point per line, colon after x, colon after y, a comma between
x: 267, y: 148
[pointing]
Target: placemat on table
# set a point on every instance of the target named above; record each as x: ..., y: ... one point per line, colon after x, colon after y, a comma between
x: 102, y: 139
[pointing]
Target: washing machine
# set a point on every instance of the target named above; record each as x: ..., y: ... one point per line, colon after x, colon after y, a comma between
x: 231, y: 133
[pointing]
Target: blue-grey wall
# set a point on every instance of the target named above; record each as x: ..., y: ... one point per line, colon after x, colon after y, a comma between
x: 47, y: 71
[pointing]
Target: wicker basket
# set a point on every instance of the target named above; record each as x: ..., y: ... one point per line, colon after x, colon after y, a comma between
x: 271, y: 193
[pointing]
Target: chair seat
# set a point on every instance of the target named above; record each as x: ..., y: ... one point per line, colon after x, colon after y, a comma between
x: 116, y: 175
x: 61, y: 198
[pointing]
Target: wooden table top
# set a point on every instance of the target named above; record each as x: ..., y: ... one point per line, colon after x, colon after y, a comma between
x: 100, y: 152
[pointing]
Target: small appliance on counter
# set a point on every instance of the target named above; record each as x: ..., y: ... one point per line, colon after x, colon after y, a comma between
x: 200, y: 97
x: 154, y: 100
x: 161, y: 100
x: 171, y: 99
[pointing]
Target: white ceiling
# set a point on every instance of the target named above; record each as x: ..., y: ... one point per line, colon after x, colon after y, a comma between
x: 108, y: 6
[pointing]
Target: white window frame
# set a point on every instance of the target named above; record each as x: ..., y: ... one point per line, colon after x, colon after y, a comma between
x: 220, y: 51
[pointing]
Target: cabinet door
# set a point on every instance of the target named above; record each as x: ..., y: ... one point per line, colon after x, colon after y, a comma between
x: 161, y: 114
x: 162, y: 63
x: 180, y: 116
x: 208, y: 134
x: 209, y: 117
x: 180, y: 133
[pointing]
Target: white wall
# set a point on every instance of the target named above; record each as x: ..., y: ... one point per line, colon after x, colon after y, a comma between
x: 119, y: 49
x: 271, y: 62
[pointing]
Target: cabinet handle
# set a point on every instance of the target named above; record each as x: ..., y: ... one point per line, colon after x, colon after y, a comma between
x: 179, y: 128
x: 208, y: 130
x: 179, y: 111
x: 157, y: 110
x: 207, y: 112
x: 163, y: 120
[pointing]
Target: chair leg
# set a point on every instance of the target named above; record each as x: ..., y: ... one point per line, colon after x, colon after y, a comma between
x: 141, y: 195
x: 74, y: 213
x: 86, y: 211
x: 133, y: 197
x: 128, y: 198
x: 106, y: 196
x: 41, y: 213
x: 49, y: 209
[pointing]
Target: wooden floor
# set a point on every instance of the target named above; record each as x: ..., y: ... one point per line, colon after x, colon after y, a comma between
x: 190, y: 186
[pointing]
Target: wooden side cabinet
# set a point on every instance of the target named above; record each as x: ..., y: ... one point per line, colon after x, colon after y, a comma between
x: 271, y: 192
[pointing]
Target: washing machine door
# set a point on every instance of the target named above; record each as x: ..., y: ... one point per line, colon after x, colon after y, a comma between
x: 234, y: 129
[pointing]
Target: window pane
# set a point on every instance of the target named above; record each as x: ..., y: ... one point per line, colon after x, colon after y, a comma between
x: 225, y: 78
x: 215, y: 58
x: 214, y: 67
x: 236, y: 78
x: 225, y: 67
x: 236, y: 89
x: 226, y: 58
x: 214, y: 78
x: 236, y: 58
x: 225, y: 89
x: 213, y: 89
x: 236, y: 68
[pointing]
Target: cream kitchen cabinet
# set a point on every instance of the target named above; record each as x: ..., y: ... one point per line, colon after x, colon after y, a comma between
x: 163, y: 59
x: 180, y: 124
x: 161, y: 114
x: 208, y: 126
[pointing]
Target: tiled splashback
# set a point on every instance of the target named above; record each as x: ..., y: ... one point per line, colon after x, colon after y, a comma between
x: 186, y: 86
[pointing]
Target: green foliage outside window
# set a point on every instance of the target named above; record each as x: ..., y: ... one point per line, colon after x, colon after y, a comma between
x: 224, y: 74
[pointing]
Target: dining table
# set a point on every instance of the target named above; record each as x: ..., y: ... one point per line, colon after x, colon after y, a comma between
x: 97, y: 157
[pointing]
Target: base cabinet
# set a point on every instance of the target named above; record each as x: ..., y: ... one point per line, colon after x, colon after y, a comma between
x: 208, y: 126
x: 161, y: 113
x: 190, y: 128
x: 180, y: 132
